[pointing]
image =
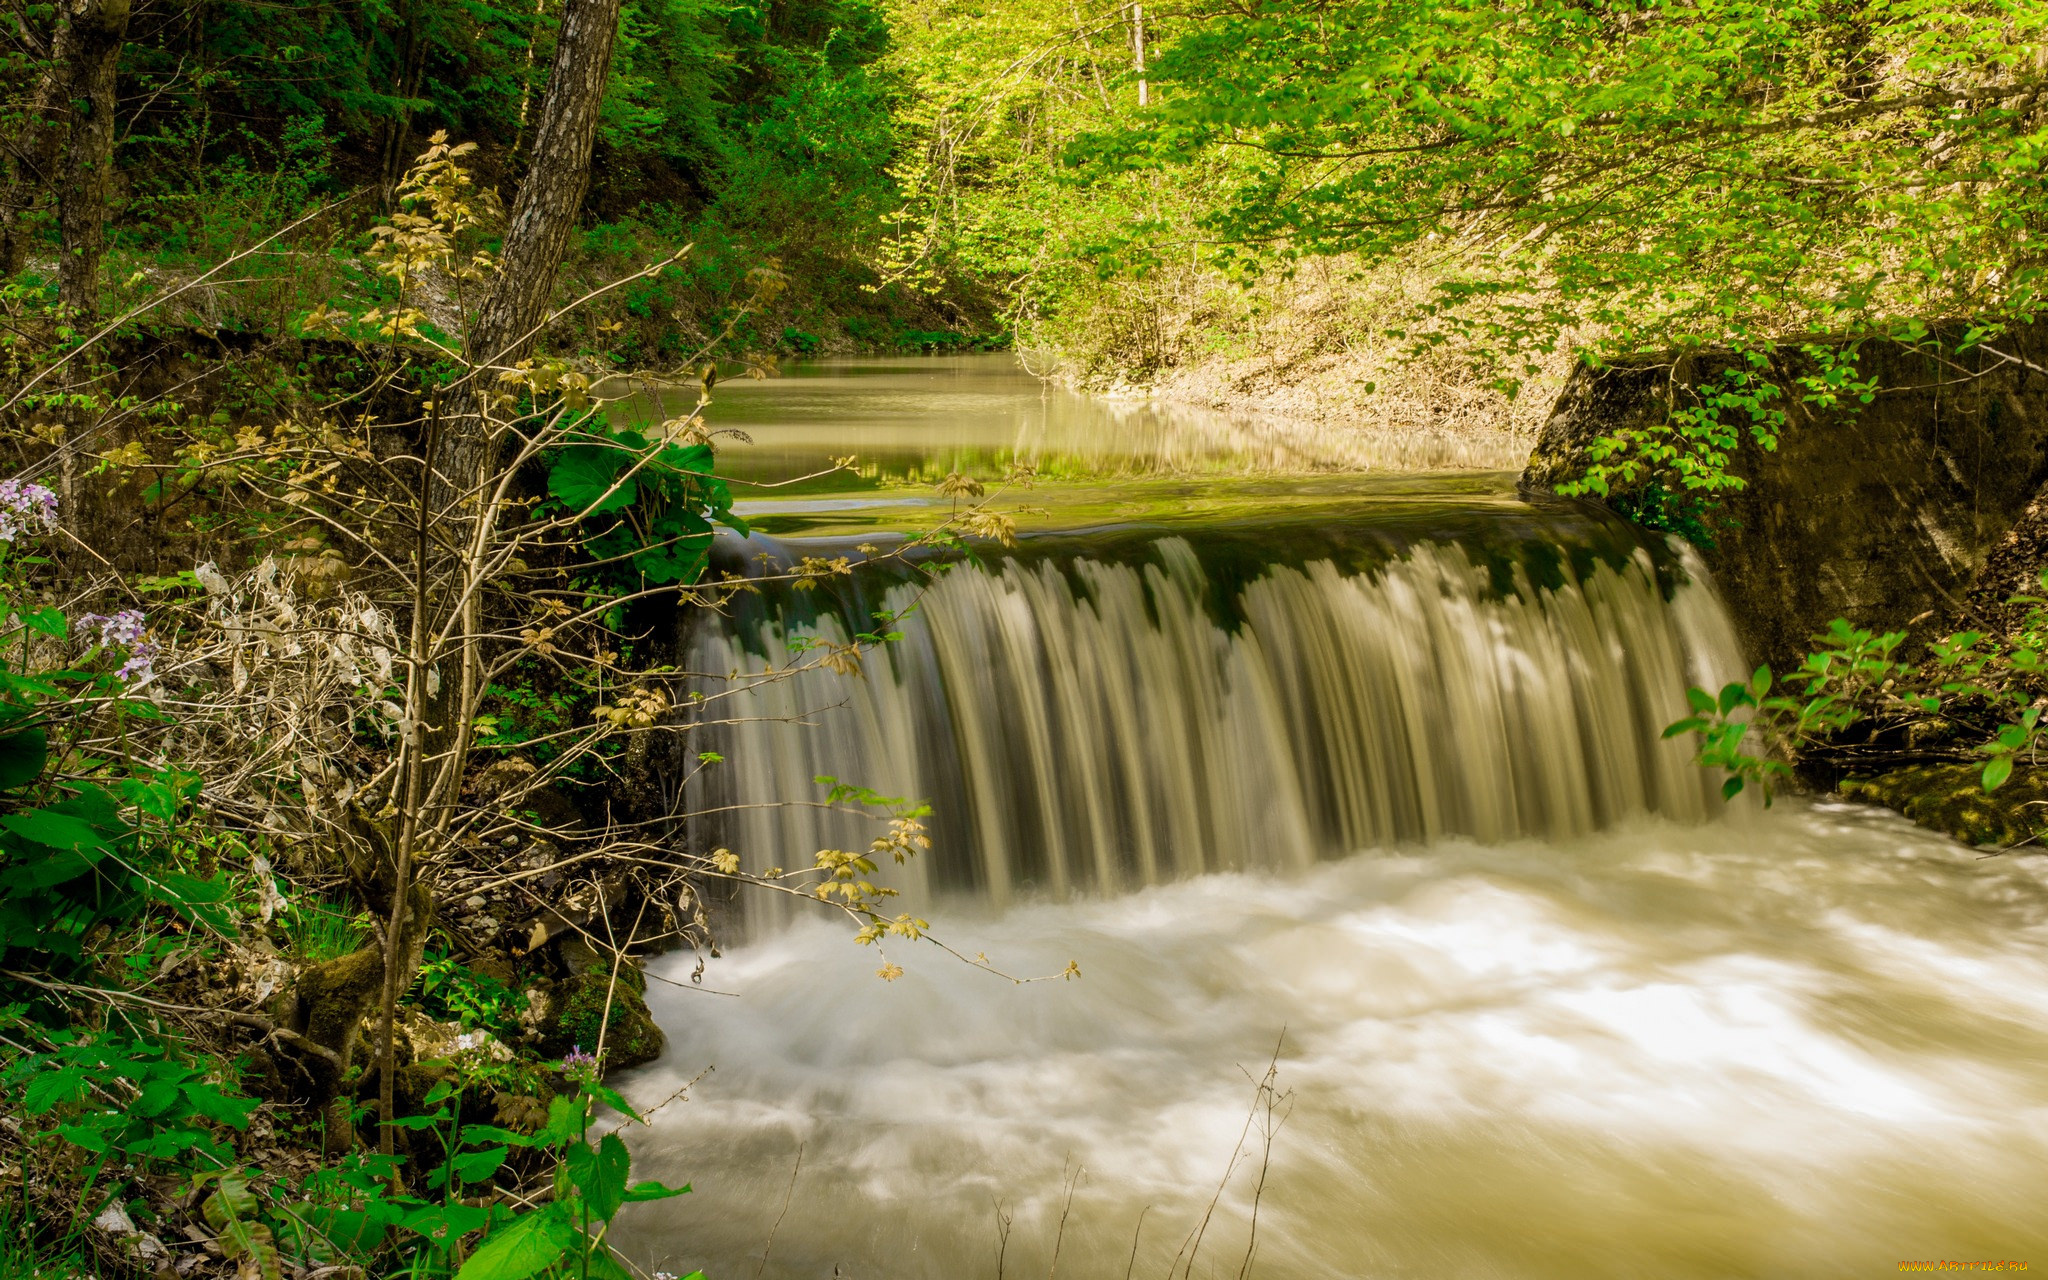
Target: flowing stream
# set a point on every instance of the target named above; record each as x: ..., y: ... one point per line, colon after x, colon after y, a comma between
x: 1405, y: 945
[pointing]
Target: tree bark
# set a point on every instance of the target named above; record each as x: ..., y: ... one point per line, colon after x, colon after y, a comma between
x: 31, y: 162
x: 543, y: 217
x: 412, y: 63
x: 98, y: 30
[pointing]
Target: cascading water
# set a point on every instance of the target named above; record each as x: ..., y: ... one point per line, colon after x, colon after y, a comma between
x: 1357, y: 779
x: 1090, y: 726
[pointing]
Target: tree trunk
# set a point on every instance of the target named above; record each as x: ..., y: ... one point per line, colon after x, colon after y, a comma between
x: 543, y: 217
x: 412, y: 63
x: 331, y: 1002
x: 98, y: 30
x: 31, y: 163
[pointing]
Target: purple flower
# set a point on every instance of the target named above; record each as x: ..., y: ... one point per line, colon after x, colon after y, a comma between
x: 123, y: 629
x: 25, y: 508
x: 580, y: 1066
x: 138, y: 665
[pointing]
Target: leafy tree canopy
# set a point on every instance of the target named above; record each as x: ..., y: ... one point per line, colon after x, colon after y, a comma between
x: 1679, y: 171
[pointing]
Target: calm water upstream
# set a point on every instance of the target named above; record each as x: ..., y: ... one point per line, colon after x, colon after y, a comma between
x: 1355, y: 775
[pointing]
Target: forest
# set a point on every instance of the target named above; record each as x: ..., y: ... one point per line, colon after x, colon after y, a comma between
x: 437, y: 630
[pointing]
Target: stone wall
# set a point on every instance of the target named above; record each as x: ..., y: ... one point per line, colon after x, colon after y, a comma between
x: 1881, y: 514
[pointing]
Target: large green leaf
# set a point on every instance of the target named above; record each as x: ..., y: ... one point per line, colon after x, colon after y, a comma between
x: 533, y: 1242
x: 476, y: 1166
x: 693, y: 458
x: 204, y: 902
x: 53, y: 830
x: 679, y: 562
x: 50, y: 1088
x: 53, y: 869
x: 22, y: 757
x: 607, y: 1189
x: 583, y: 475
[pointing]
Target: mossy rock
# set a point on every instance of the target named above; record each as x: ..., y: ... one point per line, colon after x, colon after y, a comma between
x: 576, y: 1016
x: 1950, y: 798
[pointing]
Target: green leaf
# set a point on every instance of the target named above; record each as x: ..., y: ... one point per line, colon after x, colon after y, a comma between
x: 417, y: 1123
x: 54, y: 830
x: 45, y: 872
x: 1733, y: 696
x: 476, y: 1133
x: 533, y: 1242
x: 603, y: 1266
x: 232, y: 1198
x: 613, y: 1099
x: 694, y: 458
x: 240, y: 1238
x: 1701, y: 700
x: 1731, y: 788
x: 476, y: 1166
x: 607, y: 1189
x: 218, y: 1105
x: 349, y: 1231
x: 583, y: 474
x: 566, y: 1116
x: 47, y: 1090
x: 22, y: 757
x: 157, y: 1097
x: 446, y: 1221
x: 1691, y: 724
x: 200, y: 901
x: 641, y: 1191
x: 1996, y: 772
x: 49, y: 621
x: 80, y: 1136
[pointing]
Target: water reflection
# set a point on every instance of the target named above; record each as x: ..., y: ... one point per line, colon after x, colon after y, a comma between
x: 910, y: 423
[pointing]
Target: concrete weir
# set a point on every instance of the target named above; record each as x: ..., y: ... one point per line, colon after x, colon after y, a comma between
x: 1882, y: 512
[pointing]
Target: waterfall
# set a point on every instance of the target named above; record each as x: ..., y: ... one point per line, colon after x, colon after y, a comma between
x: 1089, y: 725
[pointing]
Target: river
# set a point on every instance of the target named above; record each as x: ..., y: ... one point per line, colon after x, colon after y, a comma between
x: 1405, y: 946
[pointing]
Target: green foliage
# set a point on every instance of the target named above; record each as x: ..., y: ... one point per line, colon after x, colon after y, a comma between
x: 231, y: 1210
x: 530, y: 711
x: 752, y: 131
x: 1677, y: 171
x: 1691, y: 449
x: 125, y: 1099
x: 1977, y: 690
x: 85, y: 839
x: 450, y: 992
x: 564, y: 1238
x: 646, y: 506
x: 1652, y: 506
x: 321, y: 931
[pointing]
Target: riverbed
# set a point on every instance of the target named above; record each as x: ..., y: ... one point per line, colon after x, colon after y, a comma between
x: 1396, y: 941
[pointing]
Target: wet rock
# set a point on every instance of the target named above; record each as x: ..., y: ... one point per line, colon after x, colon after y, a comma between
x: 575, y: 1012
x: 503, y: 776
x: 1950, y: 798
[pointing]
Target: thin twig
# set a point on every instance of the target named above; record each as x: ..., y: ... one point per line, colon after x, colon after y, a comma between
x: 786, y: 1194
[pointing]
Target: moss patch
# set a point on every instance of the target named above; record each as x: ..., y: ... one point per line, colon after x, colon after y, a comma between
x: 576, y: 1017
x: 1950, y: 798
